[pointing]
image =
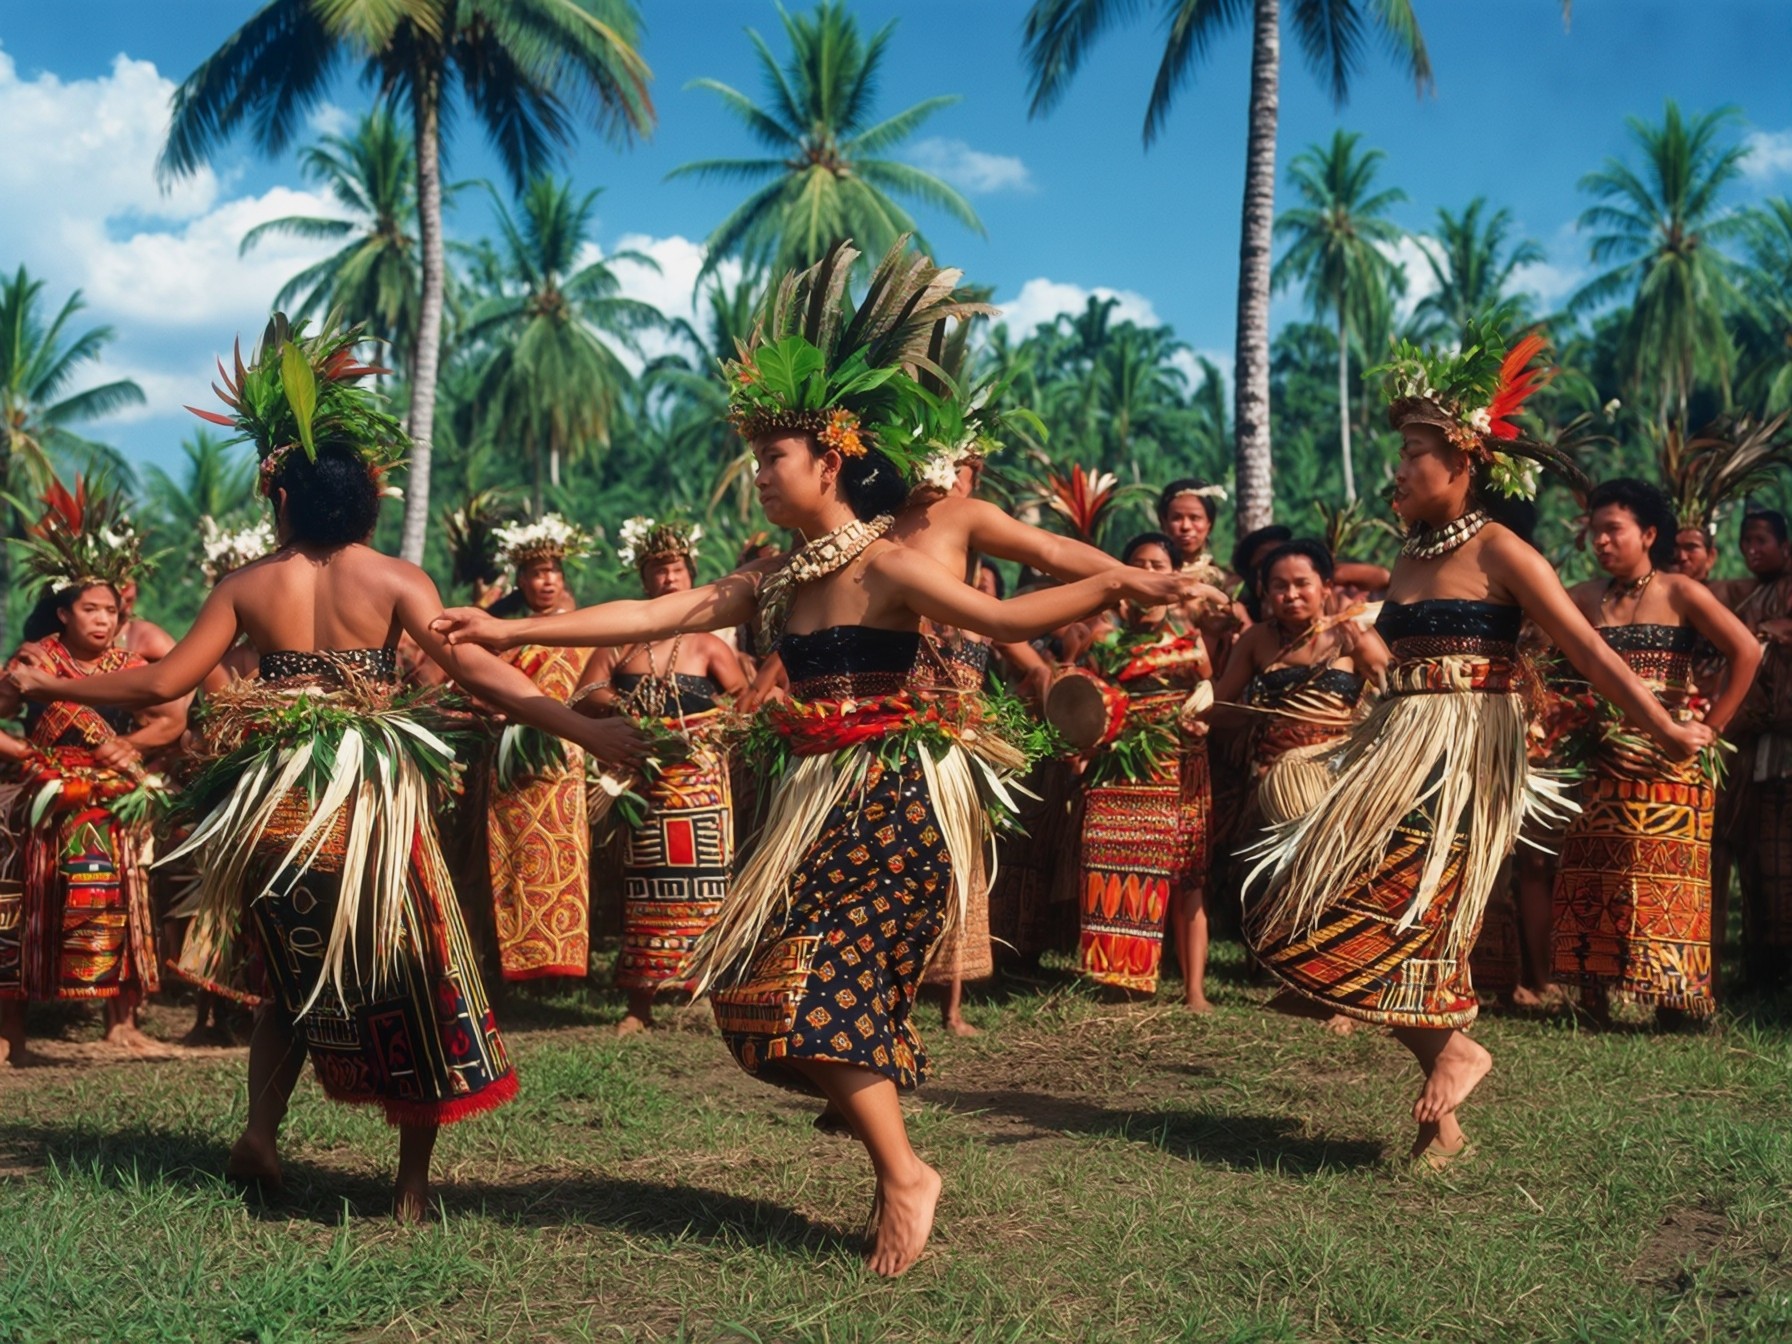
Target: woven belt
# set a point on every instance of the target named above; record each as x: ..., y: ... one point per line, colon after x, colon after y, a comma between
x: 1427, y: 676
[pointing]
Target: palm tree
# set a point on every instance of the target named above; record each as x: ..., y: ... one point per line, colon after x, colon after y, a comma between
x: 1332, y: 33
x: 551, y: 381
x: 1472, y: 269
x: 218, y: 481
x: 375, y: 278
x: 38, y: 361
x: 1337, y: 252
x: 828, y: 177
x: 524, y: 69
x: 1764, y: 328
x: 1661, y: 232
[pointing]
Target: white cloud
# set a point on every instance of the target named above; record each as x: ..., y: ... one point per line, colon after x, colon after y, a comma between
x: 329, y: 119
x: 1408, y: 254
x: 1189, y: 361
x: 671, y: 289
x: 162, y: 266
x: 1041, y: 299
x: 970, y: 170
x: 1769, y: 154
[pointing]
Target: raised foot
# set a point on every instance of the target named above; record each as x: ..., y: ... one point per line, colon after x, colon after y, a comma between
x: 905, y: 1221
x: 1460, y: 1065
x: 957, y: 1026
x: 633, y: 1025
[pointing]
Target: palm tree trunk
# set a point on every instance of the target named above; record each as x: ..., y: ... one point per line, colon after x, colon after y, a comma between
x: 427, y: 360
x: 1256, y: 499
x: 1344, y: 410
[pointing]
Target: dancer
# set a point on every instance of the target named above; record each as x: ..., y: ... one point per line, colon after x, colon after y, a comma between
x: 537, y: 838
x: 1632, y: 900
x: 814, y: 964
x: 75, y: 919
x: 1374, y: 898
x: 1143, y: 855
x: 678, y: 860
x: 325, y: 782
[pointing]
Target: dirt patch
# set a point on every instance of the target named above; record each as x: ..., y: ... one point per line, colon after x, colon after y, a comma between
x: 1683, y: 1245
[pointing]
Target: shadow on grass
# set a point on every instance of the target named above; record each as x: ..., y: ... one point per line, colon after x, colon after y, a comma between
x: 126, y: 1159
x: 1236, y: 1142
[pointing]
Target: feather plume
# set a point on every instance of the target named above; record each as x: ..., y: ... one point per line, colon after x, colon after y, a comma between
x: 1518, y: 382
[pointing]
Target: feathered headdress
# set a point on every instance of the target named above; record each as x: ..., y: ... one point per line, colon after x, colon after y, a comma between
x: 642, y: 539
x: 551, y: 537
x: 1083, y: 499
x: 1471, y: 396
x: 222, y: 549
x: 300, y: 390
x: 1728, y: 459
x: 818, y: 364
x: 82, y: 537
x: 468, y: 532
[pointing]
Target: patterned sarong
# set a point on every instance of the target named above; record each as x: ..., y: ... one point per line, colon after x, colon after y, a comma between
x: 538, y: 849
x: 675, y: 872
x: 1129, y: 860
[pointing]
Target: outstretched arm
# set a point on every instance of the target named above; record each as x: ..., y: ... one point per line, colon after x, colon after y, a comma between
x: 187, y: 663
x: 715, y: 606
x: 909, y: 579
x: 496, y: 681
x: 993, y: 532
x: 1742, y: 652
x: 1527, y: 576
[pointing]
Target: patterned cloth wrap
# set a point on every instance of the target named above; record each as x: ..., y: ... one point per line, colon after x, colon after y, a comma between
x: 538, y: 847
x: 1145, y: 839
x: 1632, y: 906
x: 75, y: 920
x: 859, y: 868
x: 1375, y: 897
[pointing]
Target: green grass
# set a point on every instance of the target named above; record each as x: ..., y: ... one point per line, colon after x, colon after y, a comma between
x: 1112, y: 1173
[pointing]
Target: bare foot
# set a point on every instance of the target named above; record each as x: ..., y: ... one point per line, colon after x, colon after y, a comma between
x: 1338, y: 1024
x: 127, y: 1036
x: 905, y: 1222
x: 1547, y: 999
x: 1197, y: 1003
x: 1434, y: 1155
x: 410, y: 1203
x: 1460, y: 1065
x: 254, y: 1163
x: 14, y: 1052
x: 631, y: 1024
x: 957, y: 1026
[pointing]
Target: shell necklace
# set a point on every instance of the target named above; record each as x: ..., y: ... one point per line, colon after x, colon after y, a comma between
x: 1429, y: 543
x: 814, y: 560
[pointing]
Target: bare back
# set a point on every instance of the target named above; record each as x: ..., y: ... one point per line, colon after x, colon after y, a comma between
x: 347, y: 598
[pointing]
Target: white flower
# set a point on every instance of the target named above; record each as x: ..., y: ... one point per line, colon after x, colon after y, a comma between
x: 223, y: 549
x: 1480, y: 419
x: 1515, y: 477
x: 939, y: 471
x: 633, y: 533
x: 1611, y: 407
x: 550, y: 534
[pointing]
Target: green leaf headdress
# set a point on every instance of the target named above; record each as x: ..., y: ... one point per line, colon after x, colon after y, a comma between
x: 300, y: 390
x: 641, y: 539
x: 1470, y: 396
x: 82, y: 537
x: 819, y: 364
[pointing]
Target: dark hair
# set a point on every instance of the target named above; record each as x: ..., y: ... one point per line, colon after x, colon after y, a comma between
x: 333, y: 501
x: 1774, y: 520
x: 1516, y: 514
x: 995, y: 576
x: 1250, y: 543
x: 1648, y: 505
x: 45, y: 618
x: 1179, y: 486
x: 1306, y: 548
x: 870, y: 483
x: 1145, y: 539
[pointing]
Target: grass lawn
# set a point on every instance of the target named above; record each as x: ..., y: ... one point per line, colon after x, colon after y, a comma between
x: 1112, y: 1173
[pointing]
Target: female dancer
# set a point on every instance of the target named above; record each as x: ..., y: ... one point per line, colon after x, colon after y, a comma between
x: 306, y: 857
x: 818, y: 954
x: 1375, y: 897
x: 1632, y: 907
x: 1144, y: 837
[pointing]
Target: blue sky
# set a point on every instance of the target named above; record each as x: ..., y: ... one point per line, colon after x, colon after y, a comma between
x: 1073, y: 203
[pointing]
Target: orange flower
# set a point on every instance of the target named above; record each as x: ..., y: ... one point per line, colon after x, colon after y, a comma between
x: 842, y: 434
